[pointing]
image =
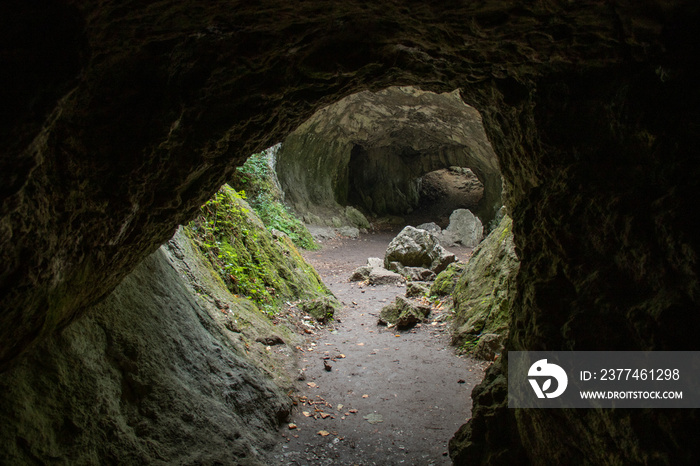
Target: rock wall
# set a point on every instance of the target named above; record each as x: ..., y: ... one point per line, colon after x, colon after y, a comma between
x: 152, y: 375
x: 484, y: 293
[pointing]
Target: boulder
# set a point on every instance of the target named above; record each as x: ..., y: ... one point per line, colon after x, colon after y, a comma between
x: 403, y: 313
x: 382, y: 276
x: 361, y: 273
x: 356, y: 217
x: 417, y: 289
x: 375, y: 262
x: 417, y: 248
x: 413, y: 273
x: 375, y: 273
x: 431, y: 227
x: 350, y: 232
x: 464, y: 228
x: 484, y: 291
x: 322, y: 308
x: 446, y: 280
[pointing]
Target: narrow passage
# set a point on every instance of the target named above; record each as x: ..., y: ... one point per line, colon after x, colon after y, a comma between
x: 389, y: 397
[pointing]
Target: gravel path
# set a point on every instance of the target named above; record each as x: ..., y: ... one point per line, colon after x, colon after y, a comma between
x: 389, y: 397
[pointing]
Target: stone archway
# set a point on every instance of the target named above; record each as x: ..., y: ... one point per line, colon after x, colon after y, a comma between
x: 131, y: 115
x: 371, y: 149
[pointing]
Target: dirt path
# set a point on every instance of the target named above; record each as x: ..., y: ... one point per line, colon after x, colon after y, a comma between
x: 389, y: 397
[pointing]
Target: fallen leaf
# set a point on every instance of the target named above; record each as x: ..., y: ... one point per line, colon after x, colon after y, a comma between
x: 306, y: 413
x: 339, y: 407
x: 323, y: 433
x: 325, y: 415
x: 353, y: 410
x: 365, y: 396
x: 341, y: 356
x: 292, y: 426
x: 373, y: 418
x: 312, y: 384
x: 360, y: 344
x: 397, y: 336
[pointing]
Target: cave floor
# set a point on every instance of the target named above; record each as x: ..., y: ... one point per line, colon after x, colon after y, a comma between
x: 391, y: 397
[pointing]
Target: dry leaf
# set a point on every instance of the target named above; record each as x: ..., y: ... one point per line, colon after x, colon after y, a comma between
x: 292, y: 426
x: 325, y: 415
x: 341, y: 356
x: 360, y: 344
x: 373, y: 418
x: 353, y: 410
x: 339, y: 407
x: 306, y: 413
x: 323, y: 433
x: 365, y: 396
x: 312, y: 384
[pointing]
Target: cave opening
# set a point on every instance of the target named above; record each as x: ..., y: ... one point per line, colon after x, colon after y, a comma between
x: 592, y: 109
x: 400, y: 156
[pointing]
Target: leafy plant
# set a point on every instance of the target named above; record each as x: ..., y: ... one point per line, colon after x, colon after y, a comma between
x: 257, y: 178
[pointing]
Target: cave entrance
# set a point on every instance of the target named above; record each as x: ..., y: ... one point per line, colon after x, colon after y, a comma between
x: 445, y: 190
x: 400, y: 153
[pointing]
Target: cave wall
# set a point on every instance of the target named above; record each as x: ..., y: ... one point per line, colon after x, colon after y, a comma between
x: 370, y: 150
x: 124, y: 117
x: 151, y: 375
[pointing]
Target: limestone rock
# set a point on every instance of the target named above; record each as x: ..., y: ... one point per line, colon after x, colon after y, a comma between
x: 375, y: 262
x: 464, y: 228
x: 413, y: 273
x: 357, y: 218
x: 431, y: 227
x: 417, y: 289
x: 361, y: 273
x: 375, y: 273
x: 154, y: 369
x: 322, y: 308
x: 417, y: 248
x: 382, y: 276
x: 484, y: 290
x: 403, y: 313
x: 489, y: 346
x: 446, y: 280
x: 350, y: 232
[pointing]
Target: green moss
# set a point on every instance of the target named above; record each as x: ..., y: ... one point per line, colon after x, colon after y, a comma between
x: 321, y: 309
x: 246, y: 256
x: 258, y: 180
x: 482, y: 294
x: 446, y: 280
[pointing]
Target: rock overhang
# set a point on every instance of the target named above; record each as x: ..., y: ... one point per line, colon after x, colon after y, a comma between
x: 590, y: 107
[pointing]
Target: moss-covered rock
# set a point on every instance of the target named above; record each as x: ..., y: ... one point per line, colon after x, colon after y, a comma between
x: 417, y: 289
x: 321, y: 309
x: 403, y: 313
x: 446, y: 280
x: 171, y: 368
x: 483, y: 292
x: 248, y: 258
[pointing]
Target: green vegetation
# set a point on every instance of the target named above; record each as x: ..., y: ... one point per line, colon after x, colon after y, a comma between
x: 257, y: 178
x: 251, y: 262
